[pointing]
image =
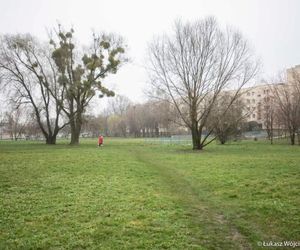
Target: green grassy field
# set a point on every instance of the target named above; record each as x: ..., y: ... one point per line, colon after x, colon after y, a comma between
x: 132, y: 195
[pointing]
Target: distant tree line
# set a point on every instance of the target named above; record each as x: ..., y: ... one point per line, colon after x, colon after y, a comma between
x: 123, y: 118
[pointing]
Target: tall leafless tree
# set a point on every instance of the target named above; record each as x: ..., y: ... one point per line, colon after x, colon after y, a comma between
x: 27, y: 70
x: 194, y: 65
x: 270, y: 115
x: 287, y: 97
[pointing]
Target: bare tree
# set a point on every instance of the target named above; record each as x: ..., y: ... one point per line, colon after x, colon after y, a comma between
x: 27, y: 70
x: 117, y: 121
x: 117, y: 125
x: 141, y: 120
x: 119, y: 104
x: 287, y: 97
x: 228, y: 126
x: 157, y: 117
x: 16, y: 122
x: 193, y: 66
x: 103, y: 120
x: 134, y: 118
x: 91, y: 126
x: 32, y: 129
x: 148, y: 119
x: 270, y: 115
x: 165, y: 114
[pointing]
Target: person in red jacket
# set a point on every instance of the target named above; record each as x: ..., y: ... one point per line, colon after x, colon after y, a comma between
x: 100, y: 141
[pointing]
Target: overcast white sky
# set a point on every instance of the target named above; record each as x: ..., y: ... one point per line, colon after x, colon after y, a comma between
x: 272, y: 26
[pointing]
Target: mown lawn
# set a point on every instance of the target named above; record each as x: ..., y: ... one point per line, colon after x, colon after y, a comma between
x: 133, y: 195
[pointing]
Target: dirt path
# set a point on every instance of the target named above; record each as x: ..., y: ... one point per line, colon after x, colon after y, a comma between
x: 209, y: 228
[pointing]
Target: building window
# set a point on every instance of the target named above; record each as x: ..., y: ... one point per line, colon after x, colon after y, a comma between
x: 248, y: 100
x: 253, y: 115
x: 253, y: 93
x: 253, y: 101
x: 248, y: 93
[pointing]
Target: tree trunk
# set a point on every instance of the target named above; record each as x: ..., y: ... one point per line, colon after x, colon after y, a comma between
x: 221, y: 137
x: 271, y: 139
x: 51, y: 140
x: 196, y: 138
x: 75, y: 131
x: 292, y: 136
x: 156, y: 131
x: 271, y: 135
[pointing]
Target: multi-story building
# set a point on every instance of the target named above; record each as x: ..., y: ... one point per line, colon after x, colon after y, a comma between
x: 293, y: 74
x: 258, y: 98
x: 254, y: 99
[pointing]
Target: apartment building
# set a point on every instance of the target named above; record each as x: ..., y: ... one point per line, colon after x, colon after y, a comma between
x: 293, y: 74
x: 257, y: 98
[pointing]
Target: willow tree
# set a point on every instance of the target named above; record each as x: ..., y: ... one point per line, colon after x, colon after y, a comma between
x: 193, y: 66
x: 82, y: 73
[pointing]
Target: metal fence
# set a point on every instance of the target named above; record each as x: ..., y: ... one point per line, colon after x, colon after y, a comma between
x: 175, y: 139
x: 187, y: 139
